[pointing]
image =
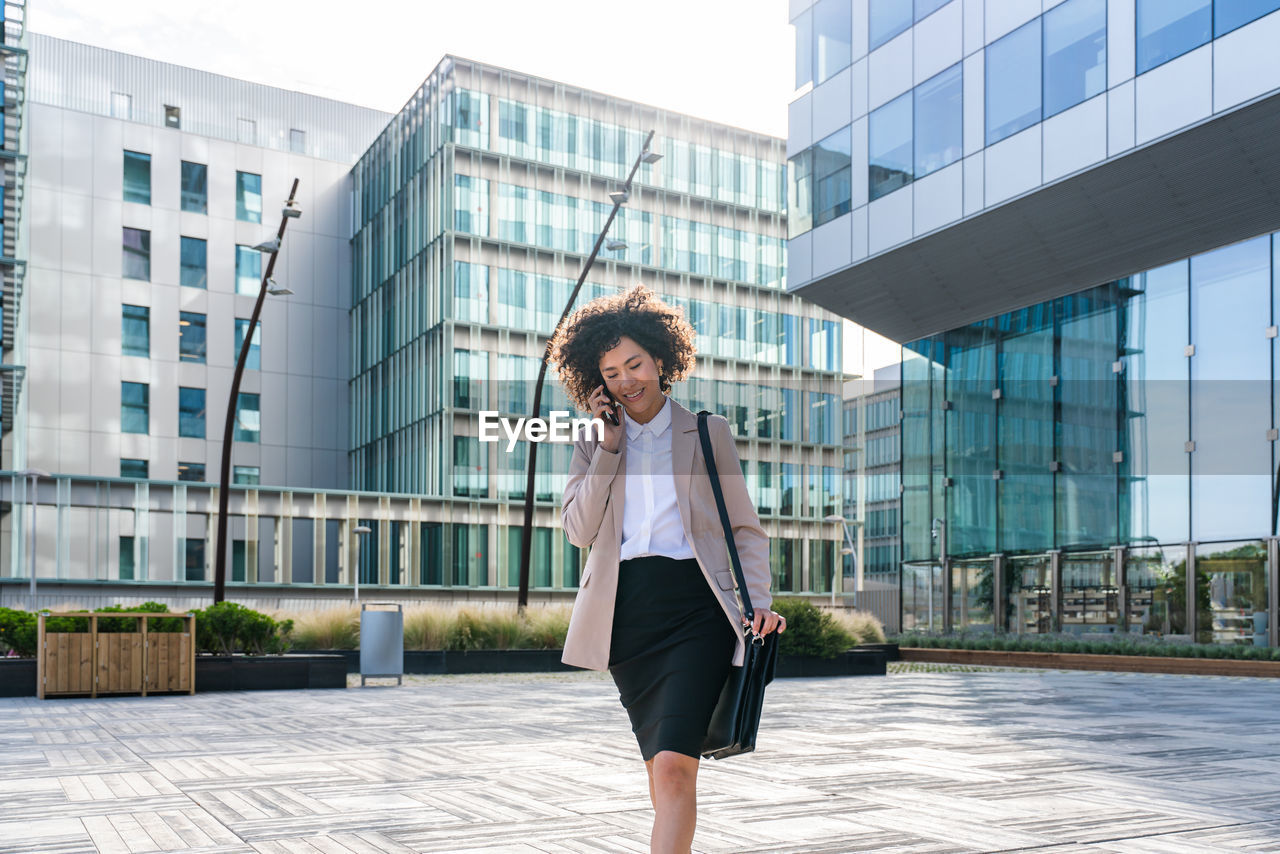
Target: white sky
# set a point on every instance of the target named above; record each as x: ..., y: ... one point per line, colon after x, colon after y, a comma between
x: 729, y: 61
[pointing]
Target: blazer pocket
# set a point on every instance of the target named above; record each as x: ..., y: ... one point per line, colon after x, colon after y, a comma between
x: 725, y: 579
x: 586, y: 579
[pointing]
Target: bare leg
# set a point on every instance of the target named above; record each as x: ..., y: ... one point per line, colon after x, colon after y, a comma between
x: 675, y: 781
x: 648, y: 766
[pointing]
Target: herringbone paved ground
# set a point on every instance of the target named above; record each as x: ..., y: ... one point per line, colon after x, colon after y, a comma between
x: 923, y: 762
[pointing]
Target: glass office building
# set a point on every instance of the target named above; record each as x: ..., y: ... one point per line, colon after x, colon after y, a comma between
x: 475, y: 210
x: 1089, y: 402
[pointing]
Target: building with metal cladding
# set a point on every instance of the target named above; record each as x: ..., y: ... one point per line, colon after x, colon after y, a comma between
x: 475, y: 208
x: 1065, y: 211
x: 434, y: 254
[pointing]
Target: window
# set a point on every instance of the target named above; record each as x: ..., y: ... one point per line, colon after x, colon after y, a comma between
x: 470, y: 467
x: 1167, y: 29
x: 195, y: 560
x: 470, y: 292
x: 172, y: 116
x: 192, y: 337
x: 136, y: 263
x: 135, y: 331
x: 248, y: 197
x: 804, y: 48
x: 799, y: 194
x: 195, y: 187
x: 121, y: 106
x: 248, y: 270
x: 134, y: 468
x: 470, y: 375
x: 939, y: 122
x: 247, y: 131
x: 248, y: 418
x: 886, y: 19
x: 471, y: 205
x: 194, y: 269
x: 1230, y: 14
x: 1013, y: 82
x: 925, y: 8
x: 297, y: 141
x: 191, y: 412
x: 832, y: 167
x: 246, y: 475
x: 889, y: 154
x: 254, y: 361
x: 137, y: 177
x: 135, y: 407
x: 191, y: 472
x: 128, y: 563
x: 1075, y: 54
x: 832, y: 37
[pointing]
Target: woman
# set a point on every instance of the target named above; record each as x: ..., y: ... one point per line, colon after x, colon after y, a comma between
x: 656, y: 605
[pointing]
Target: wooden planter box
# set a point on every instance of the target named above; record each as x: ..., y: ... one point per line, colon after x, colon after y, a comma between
x: 96, y: 662
x: 1080, y: 661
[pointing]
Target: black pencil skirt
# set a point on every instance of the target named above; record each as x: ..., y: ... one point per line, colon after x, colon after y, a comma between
x: 670, y: 652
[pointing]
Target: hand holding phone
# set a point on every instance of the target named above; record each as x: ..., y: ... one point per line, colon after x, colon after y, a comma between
x: 603, y: 404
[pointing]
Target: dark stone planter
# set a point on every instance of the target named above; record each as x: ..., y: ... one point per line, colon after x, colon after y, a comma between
x: 17, y: 677
x: 505, y: 661
x: 890, y: 650
x: 855, y: 662
x: 269, y: 672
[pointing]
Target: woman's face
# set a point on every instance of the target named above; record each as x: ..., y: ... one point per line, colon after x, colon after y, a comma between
x: 631, y: 376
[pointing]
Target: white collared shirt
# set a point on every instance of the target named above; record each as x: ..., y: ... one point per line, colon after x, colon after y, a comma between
x: 651, y: 522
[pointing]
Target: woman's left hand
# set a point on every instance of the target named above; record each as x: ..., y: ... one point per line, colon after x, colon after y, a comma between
x: 766, y: 621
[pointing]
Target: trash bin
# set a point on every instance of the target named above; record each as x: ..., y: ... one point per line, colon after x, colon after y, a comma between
x: 381, y: 640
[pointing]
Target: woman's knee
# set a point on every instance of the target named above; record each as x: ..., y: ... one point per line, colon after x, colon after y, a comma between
x: 674, y: 771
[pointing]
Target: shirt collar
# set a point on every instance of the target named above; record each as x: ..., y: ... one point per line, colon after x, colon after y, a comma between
x: 657, y: 425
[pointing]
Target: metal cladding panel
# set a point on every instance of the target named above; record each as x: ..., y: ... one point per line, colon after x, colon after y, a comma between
x: 1205, y: 187
x: 81, y: 77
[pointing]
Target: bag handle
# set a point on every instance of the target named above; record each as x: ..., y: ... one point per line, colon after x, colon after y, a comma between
x: 709, y: 456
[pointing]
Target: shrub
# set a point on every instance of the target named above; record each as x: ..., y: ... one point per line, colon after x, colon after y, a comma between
x: 18, y: 631
x: 865, y: 627
x: 810, y: 630
x: 224, y: 627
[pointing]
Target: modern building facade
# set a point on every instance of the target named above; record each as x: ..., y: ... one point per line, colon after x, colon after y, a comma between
x: 475, y: 209
x: 435, y: 252
x: 1031, y: 196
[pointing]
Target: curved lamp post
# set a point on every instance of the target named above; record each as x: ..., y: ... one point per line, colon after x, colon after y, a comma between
x: 268, y: 286
x: 619, y: 198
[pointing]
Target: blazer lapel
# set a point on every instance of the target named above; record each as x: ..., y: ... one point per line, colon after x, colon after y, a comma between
x: 684, y: 437
x: 618, y: 489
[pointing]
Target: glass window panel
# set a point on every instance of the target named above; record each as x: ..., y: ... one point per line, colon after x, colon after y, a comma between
x: 804, y: 50
x: 1075, y: 53
x: 195, y: 560
x: 470, y: 467
x: 1025, y: 423
x: 939, y: 121
x: 297, y: 141
x: 248, y: 418
x: 471, y: 205
x: 799, y: 198
x: 1230, y: 391
x: 246, y: 475
x: 470, y: 292
x: 1169, y: 28
x: 888, y: 18
x: 248, y: 197
x: 192, y: 337
x: 191, y: 410
x: 1230, y: 14
x: 1155, y: 487
x: 248, y: 270
x: 194, y: 269
x: 832, y: 37
x: 925, y: 8
x: 137, y: 177
x: 135, y: 338
x: 889, y: 147
x: 1156, y: 581
x: 191, y: 472
x: 254, y: 360
x: 971, y: 440
x: 832, y: 167
x: 134, y: 407
x: 195, y: 187
x: 1234, y: 575
x: 136, y: 260
x: 1013, y: 82
x: 134, y: 468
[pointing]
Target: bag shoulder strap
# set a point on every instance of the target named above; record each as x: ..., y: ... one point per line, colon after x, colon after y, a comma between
x: 709, y: 456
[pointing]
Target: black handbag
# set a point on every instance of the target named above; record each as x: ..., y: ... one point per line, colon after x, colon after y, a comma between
x: 736, y: 718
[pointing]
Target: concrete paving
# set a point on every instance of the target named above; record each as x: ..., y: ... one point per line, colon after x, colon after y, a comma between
x: 1061, y: 762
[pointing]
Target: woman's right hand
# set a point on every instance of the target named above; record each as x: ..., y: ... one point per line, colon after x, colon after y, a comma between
x: 601, y: 402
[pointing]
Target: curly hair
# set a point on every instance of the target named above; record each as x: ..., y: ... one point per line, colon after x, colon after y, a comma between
x: 598, y: 326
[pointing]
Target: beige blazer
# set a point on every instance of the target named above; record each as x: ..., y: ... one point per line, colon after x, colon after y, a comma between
x: 591, y: 513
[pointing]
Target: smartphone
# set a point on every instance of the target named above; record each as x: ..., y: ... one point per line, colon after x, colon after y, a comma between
x: 611, y: 414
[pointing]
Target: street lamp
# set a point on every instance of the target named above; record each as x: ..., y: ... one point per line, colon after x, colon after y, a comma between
x: 619, y: 198
x: 359, y: 531
x: 288, y: 212
x: 33, y: 476
x: 846, y: 550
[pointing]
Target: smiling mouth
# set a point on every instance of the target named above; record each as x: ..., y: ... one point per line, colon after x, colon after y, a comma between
x: 634, y: 396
